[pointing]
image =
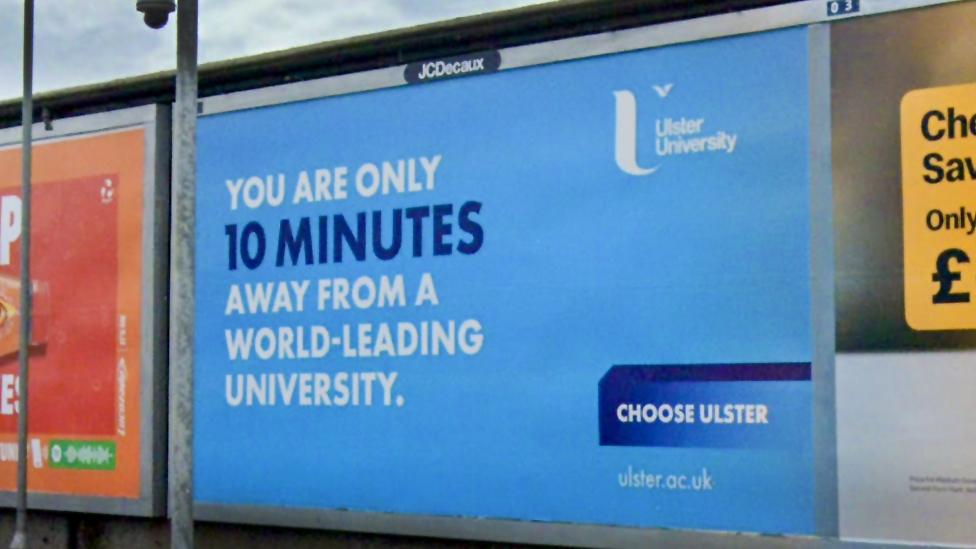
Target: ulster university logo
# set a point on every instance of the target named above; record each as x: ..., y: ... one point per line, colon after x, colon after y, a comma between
x: 673, y: 135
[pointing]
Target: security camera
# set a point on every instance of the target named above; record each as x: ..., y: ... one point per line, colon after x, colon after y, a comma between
x: 156, y: 12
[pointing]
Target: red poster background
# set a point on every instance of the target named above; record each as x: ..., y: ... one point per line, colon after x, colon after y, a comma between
x: 74, y: 260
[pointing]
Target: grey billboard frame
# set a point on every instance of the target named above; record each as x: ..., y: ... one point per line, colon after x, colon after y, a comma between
x: 811, y: 14
x: 822, y: 312
x: 155, y: 121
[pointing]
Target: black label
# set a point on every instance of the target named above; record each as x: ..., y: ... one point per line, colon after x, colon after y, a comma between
x: 842, y: 7
x: 452, y: 67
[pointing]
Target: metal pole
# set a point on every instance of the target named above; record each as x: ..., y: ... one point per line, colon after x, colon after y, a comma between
x: 182, y: 272
x: 26, y: 122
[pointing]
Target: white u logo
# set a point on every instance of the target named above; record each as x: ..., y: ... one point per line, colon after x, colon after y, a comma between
x: 626, y: 135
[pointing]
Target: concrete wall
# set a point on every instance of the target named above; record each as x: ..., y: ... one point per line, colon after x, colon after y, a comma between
x: 78, y: 531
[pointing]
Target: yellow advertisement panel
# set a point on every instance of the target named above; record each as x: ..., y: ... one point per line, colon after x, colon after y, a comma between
x: 938, y: 154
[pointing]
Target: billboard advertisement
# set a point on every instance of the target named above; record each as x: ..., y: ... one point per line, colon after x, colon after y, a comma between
x: 905, y: 217
x: 88, y: 367
x: 574, y: 292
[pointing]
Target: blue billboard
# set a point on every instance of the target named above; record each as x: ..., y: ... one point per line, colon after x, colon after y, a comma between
x: 576, y: 292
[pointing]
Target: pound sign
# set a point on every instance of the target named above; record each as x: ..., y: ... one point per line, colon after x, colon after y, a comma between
x: 945, y: 277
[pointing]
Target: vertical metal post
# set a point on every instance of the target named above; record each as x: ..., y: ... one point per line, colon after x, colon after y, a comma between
x: 26, y: 120
x: 182, y: 272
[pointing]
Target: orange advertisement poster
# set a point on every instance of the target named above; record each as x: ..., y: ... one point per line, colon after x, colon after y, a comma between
x: 86, y: 273
x: 938, y: 138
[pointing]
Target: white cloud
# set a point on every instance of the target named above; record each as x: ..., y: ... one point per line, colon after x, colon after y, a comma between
x: 86, y: 41
x: 79, y: 42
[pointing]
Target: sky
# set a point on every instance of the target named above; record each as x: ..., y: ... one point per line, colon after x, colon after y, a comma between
x: 80, y: 42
